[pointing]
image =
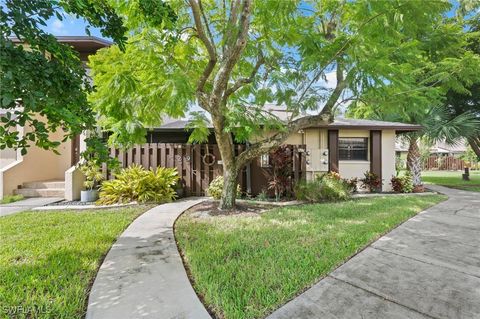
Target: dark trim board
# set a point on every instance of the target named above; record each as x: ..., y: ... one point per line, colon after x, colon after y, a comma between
x: 333, y: 151
x: 376, y: 152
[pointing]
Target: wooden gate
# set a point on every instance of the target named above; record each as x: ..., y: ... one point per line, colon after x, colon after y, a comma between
x: 449, y: 163
x: 197, y: 165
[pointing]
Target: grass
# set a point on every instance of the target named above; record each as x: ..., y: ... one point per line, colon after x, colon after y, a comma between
x: 453, y: 179
x: 49, y: 259
x: 10, y: 199
x: 247, y: 266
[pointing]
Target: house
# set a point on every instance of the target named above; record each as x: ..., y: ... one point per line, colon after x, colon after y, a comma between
x: 440, y: 148
x: 348, y: 146
x: 40, y: 172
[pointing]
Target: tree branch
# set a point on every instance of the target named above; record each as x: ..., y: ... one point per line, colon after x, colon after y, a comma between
x: 232, y: 55
x: 197, y: 16
x: 279, y: 138
x: 243, y: 81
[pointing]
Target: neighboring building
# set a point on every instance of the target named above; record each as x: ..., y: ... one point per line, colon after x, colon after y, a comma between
x: 348, y: 146
x: 438, y: 149
x: 41, y: 172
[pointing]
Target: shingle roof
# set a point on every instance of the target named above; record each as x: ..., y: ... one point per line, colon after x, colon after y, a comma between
x: 340, y: 123
x: 367, y: 124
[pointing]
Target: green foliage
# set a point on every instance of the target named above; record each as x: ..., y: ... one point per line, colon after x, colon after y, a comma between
x: 93, y: 174
x: 291, y: 49
x: 199, y: 125
x: 470, y: 157
x: 371, y: 182
x: 98, y: 152
x: 402, y: 184
x: 138, y: 184
x: 216, y: 187
x: 324, y: 188
x: 44, y: 83
x: 10, y: 199
x: 262, y: 196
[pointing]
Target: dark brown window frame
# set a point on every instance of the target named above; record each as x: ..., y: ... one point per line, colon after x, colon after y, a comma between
x: 350, y: 158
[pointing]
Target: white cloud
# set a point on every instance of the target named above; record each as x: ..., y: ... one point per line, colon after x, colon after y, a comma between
x: 58, y: 27
x: 331, y: 80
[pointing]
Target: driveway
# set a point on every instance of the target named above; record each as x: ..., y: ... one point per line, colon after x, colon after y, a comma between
x: 26, y: 204
x: 429, y: 267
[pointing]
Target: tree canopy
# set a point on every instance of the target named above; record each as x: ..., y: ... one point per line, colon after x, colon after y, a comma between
x: 229, y: 58
x: 43, y: 83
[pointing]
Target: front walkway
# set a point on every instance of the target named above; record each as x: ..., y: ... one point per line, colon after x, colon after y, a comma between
x: 26, y: 204
x: 429, y: 267
x: 143, y: 276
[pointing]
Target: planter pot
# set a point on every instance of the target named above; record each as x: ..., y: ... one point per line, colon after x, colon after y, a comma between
x: 88, y: 196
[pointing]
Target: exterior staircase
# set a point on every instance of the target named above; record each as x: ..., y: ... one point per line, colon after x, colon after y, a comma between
x: 42, y: 189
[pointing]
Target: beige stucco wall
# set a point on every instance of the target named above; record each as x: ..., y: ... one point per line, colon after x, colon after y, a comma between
x: 388, y: 158
x: 7, y: 157
x: 37, y: 165
x: 316, y: 141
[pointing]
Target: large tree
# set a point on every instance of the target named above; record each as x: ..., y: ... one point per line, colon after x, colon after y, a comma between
x: 449, y: 68
x: 468, y: 101
x: 231, y: 57
x: 43, y: 85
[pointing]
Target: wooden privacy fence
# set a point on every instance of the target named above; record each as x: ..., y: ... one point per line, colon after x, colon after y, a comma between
x: 198, y: 164
x: 450, y: 163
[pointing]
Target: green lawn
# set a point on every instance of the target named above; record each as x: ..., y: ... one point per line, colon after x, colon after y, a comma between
x: 10, y: 199
x: 49, y: 259
x: 453, y: 179
x: 245, y: 267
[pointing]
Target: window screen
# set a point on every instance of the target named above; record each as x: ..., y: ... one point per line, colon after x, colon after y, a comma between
x: 353, y: 148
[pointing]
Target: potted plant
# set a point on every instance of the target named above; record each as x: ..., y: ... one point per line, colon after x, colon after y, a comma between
x: 93, y: 176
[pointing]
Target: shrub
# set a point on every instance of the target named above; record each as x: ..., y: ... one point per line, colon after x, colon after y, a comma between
x: 402, y: 184
x: 371, y: 181
x: 136, y: 183
x: 281, y: 164
x: 93, y: 174
x: 263, y: 196
x: 351, y: 184
x: 328, y: 187
x: 216, y: 187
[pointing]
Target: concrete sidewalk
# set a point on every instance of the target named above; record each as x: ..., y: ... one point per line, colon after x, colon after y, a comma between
x: 429, y: 267
x: 143, y: 276
x: 26, y: 204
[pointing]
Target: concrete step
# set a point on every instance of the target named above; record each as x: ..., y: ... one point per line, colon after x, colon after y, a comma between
x: 41, y: 192
x: 44, y: 184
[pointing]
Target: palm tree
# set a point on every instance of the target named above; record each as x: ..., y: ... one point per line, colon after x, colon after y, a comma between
x: 438, y: 125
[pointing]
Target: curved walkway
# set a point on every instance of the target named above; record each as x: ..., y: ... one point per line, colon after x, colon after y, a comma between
x: 429, y: 267
x: 142, y: 275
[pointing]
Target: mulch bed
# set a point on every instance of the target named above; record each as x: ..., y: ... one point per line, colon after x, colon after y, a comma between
x: 210, y: 207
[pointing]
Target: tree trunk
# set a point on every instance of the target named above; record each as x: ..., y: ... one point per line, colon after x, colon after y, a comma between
x: 229, y: 193
x: 229, y: 163
x: 475, y: 145
x: 414, y: 162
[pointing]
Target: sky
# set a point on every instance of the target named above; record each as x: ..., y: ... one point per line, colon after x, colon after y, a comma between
x: 70, y: 26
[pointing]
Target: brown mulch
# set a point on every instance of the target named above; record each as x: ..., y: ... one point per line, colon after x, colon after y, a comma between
x: 211, y: 207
